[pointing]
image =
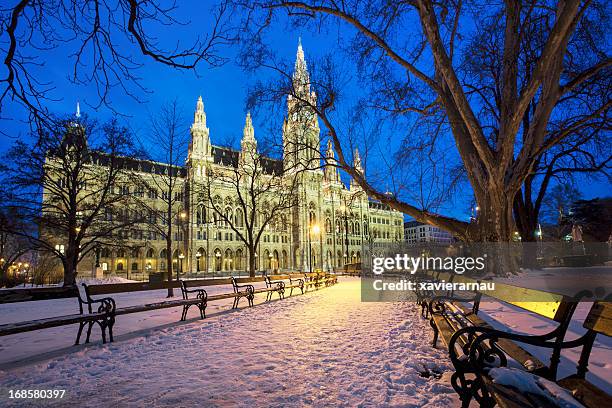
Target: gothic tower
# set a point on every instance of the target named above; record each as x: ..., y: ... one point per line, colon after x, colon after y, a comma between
x: 301, y: 142
x: 200, y: 150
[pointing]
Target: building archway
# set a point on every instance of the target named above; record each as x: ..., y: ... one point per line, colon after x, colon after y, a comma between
x: 274, y: 260
x: 228, y: 260
x: 200, y: 259
x: 238, y: 260
x: 284, y: 263
x: 267, y: 260
x: 217, y: 255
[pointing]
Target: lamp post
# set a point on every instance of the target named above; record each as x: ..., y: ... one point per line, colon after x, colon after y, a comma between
x: 313, y: 229
x: 198, y: 255
x: 180, y: 269
x: 344, y: 212
x: 217, y: 255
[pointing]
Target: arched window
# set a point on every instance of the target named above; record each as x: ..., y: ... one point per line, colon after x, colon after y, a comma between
x: 328, y: 226
x: 217, y: 254
x: 229, y: 216
x: 357, y: 229
x: 274, y: 260
x: 134, y: 266
x: 105, y: 253
x: 238, y: 218
x: 267, y: 259
x: 121, y: 253
x: 284, y: 262
x: 238, y: 260
x: 228, y: 260
x: 119, y: 266
x: 149, y: 253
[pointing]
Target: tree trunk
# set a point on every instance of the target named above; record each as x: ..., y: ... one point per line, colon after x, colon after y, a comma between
x: 252, y: 264
x: 169, y: 263
x: 494, y: 222
x: 69, y: 271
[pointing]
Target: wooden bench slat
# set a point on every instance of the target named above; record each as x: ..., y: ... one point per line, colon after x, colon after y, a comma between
x: 20, y: 327
x: 585, y: 392
x: 154, y: 306
x: 599, y: 318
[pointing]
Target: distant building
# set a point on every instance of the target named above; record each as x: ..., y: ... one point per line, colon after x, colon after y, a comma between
x: 415, y: 232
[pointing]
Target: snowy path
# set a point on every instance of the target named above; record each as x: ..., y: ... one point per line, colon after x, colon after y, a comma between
x: 324, y: 348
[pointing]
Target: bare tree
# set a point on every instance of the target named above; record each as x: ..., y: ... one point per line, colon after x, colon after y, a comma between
x: 503, y: 85
x: 587, y: 154
x: 164, y: 199
x: 100, y: 38
x: 70, y: 189
x: 265, y: 195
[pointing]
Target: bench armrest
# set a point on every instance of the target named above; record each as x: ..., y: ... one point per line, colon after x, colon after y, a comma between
x: 107, y: 305
x: 249, y: 288
x: 483, y: 350
x: 437, y: 304
x: 201, y: 293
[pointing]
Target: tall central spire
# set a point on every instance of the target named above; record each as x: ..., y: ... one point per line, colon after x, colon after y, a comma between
x: 301, y: 78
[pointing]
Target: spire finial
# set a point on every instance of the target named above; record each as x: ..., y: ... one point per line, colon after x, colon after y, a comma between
x: 248, y: 133
x: 78, y: 110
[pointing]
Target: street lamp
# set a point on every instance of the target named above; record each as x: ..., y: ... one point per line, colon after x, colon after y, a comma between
x: 344, y: 212
x: 180, y: 270
x: 198, y: 255
x: 218, y: 255
x: 313, y: 229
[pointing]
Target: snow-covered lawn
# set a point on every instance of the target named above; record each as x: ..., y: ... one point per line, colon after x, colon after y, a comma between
x: 324, y: 348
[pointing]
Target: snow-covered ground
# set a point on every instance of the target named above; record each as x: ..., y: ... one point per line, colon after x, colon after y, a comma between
x: 324, y: 348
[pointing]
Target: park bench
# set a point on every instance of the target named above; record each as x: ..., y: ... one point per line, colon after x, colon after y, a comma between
x: 201, y: 294
x: 102, y: 310
x: 246, y: 291
x: 93, y: 290
x: 424, y: 296
x: 330, y: 279
x: 474, y: 345
x: 296, y: 281
x: 277, y: 286
x: 598, y: 322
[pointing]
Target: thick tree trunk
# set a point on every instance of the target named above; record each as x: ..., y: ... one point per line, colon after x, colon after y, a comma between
x: 69, y: 271
x: 494, y: 222
x: 252, y: 263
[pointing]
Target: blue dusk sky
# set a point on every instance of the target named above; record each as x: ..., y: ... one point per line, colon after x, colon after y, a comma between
x: 223, y: 89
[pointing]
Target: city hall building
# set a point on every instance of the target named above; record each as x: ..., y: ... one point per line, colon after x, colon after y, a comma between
x: 332, y: 224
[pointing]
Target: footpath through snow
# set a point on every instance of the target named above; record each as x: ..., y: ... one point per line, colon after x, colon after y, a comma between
x: 325, y: 348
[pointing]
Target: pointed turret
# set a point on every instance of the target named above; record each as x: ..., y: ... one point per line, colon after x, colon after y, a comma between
x: 199, y: 148
x: 199, y: 117
x: 359, y: 168
x: 331, y: 171
x: 357, y: 162
x: 248, y: 143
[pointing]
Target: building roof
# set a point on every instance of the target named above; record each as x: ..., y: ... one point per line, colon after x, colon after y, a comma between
x: 135, y: 164
x: 228, y: 157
